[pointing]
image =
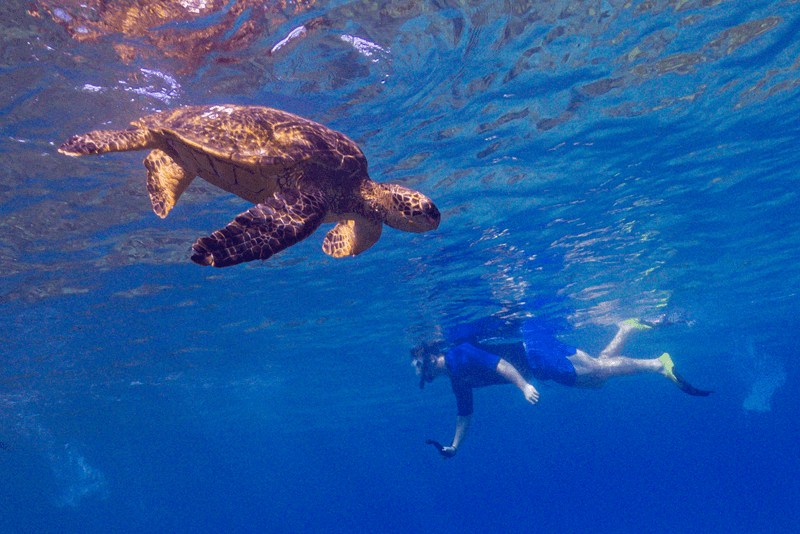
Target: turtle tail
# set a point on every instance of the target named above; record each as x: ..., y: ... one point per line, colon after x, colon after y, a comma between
x: 102, y: 141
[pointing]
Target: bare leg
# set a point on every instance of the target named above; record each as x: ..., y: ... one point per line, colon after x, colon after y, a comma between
x: 625, y: 329
x: 594, y: 372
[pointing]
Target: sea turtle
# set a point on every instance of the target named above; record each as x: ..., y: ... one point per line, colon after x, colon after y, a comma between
x: 299, y: 174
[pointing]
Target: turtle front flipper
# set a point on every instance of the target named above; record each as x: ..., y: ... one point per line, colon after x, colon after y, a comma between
x: 350, y: 238
x: 263, y: 230
x: 102, y: 141
x: 166, y: 181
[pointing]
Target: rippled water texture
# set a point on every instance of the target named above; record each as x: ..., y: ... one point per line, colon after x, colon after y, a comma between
x: 592, y: 161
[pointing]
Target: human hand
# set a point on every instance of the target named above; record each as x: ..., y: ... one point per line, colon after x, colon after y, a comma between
x: 446, y: 452
x: 531, y: 395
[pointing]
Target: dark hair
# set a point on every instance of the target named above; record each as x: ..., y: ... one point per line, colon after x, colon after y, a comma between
x: 427, y: 348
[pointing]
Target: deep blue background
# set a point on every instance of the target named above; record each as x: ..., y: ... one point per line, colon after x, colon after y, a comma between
x: 593, y: 162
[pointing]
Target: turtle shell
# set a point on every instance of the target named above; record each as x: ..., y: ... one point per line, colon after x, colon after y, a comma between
x: 254, y: 152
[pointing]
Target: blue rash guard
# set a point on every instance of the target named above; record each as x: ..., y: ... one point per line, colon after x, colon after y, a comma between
x: 471, y: 367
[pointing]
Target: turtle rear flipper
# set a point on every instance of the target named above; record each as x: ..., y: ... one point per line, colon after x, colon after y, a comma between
x: 350, y: 238
x: 102, y: 141
x: 266, y: 229
x: 166, y: 181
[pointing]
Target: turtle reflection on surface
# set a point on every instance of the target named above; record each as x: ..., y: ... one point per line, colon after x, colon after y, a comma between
x: 152, y: 24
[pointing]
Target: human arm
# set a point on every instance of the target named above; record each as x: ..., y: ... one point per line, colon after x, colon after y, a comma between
x: 462, y: 428
x: 510, y: 373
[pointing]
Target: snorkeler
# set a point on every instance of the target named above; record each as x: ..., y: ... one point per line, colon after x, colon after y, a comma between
x: 540, y: 356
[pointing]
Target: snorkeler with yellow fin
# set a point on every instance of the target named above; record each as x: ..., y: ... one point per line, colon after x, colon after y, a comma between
x: 539, y: 355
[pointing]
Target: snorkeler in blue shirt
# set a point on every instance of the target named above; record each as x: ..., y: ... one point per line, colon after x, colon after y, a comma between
x: 539, y: 356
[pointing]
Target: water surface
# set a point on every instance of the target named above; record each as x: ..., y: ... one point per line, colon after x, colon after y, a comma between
x: 593, y: 161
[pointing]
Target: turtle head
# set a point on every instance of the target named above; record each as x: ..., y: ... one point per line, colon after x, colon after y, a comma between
x: 407, y: 210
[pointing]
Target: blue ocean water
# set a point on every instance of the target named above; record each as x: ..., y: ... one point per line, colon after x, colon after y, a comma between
x: 593, y: 161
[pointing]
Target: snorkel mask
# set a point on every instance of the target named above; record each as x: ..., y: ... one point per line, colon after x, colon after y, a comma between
x: 424, y: 360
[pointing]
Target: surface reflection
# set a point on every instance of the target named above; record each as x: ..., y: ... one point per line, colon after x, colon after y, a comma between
x: 188, y: 30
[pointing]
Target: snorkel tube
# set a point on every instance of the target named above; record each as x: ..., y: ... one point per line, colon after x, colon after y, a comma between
x: 425, y: 374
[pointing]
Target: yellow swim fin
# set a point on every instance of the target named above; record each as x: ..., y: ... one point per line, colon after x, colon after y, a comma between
x: 636, y: 324
x: 672, y: 374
